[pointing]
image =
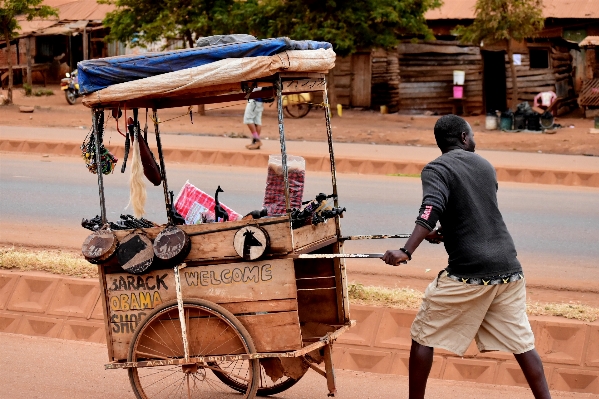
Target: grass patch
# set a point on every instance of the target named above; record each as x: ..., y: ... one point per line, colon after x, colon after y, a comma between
x: 404, y: 174
x: 56, y: 262
x: 43, y: 92
x: 68, y: 264
x: 568, y: 310
x: 407, y: 298
x: 400, y: 298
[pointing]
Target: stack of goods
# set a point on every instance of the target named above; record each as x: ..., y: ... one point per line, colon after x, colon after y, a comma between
x: 126, y: 222
x: 315, y: 211
x: 88, y: 153
x: 274, y: 195
x: 198, y: 207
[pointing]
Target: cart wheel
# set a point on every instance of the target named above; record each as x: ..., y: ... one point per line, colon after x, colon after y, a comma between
x: 211, y: 330
x: 298, y: 109
x: 267, y: 387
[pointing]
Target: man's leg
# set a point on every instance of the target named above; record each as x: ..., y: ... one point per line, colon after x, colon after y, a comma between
x: 253, y: 129
x: 421, y: 361
x: 532, y: 367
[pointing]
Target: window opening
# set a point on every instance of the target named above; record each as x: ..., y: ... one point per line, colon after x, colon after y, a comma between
x: 539, y: 58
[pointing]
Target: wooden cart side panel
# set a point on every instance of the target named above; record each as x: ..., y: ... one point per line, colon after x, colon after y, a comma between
x: 214, y: 241
x: 317, y: 305
x: 103, y: 299
x: 341, y: 284
x: 249, y: 287
x: 311, y: 235
x: 274, y: 331
x: 271, y: 332
x: 317, y: 290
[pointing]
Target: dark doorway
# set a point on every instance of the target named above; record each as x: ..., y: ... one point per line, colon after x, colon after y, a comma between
x: 494, y: 87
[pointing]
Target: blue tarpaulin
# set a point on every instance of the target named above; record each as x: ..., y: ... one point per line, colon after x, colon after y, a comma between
x: 100, y: 73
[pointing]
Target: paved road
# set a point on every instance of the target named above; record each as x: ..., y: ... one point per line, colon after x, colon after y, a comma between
x: 46, y: 368
x: 555, y: 228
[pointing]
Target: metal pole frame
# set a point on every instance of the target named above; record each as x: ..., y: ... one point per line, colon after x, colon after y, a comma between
x: 340, y: 273
x: 279, y: 91
x: 167, y: 201
x: 98, y: 126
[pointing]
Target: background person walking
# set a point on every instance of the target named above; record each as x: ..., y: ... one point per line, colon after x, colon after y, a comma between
x: 481, y: 293
x: 253, y: 119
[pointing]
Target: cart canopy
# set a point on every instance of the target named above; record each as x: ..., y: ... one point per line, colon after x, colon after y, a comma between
x: 101, y: 73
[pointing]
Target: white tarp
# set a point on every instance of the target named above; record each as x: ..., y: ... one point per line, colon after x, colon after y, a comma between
x: 214, y: 76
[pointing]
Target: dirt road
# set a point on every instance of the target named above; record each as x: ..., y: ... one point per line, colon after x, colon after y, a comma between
x: 44, y: 199
x: 47, y: 368
x: 355, y: 126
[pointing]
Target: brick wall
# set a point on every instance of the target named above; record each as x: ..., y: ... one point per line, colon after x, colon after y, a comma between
x: 380, y: 343
x: 70, y: 308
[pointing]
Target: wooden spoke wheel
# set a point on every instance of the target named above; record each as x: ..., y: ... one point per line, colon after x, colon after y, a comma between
x: 266, y: 387
x: 211, y: 330
x: 298, y: 109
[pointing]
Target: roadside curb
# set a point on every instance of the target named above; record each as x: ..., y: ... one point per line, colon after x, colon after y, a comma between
x: 313, y: 163
x: 70, y: 308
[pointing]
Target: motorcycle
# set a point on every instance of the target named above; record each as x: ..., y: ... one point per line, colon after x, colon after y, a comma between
x: 70, y: 86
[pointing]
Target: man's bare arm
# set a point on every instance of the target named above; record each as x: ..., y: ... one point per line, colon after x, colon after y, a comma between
x: 395, y: 257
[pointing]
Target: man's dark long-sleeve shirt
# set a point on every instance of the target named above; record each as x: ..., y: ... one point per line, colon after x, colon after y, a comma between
x: 460, y: 191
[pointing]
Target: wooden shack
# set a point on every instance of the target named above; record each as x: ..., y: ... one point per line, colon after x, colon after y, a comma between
x: 368, y: 79
x: 589, y: 93
x: 427, y: 76
x: 544, y: 65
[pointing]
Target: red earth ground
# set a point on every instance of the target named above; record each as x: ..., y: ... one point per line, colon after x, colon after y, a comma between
x: 358, y: 126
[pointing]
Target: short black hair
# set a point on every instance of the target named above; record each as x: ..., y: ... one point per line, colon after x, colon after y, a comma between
x: 449, y: 129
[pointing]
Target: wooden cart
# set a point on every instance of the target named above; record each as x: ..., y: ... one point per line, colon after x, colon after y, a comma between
x: 216, y: 323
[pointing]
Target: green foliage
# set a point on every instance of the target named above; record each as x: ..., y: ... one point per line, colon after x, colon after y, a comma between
x: 28, y: 89
x: 10, y: 9
x: 500, y: 20
x: 43, y: 92
x: 139, y: 22
x: 348, y: 24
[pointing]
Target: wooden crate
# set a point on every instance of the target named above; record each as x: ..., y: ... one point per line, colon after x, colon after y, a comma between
x: 262, y: 294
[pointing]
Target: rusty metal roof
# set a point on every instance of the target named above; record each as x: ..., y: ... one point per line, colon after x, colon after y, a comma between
x: 73, y: 16
x: 589, y: 41
x: 84, y: 10
x: 464, y: 9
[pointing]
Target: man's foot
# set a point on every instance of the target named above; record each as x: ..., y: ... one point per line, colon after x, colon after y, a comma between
x: 256, y: 144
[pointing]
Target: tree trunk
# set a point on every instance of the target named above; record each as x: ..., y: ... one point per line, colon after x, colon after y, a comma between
x: 201, y: 110
x: 510, y: 56
x: 332, y: 92
x: 9, y: 61
x: 28, y: 51
x: 189, y: 38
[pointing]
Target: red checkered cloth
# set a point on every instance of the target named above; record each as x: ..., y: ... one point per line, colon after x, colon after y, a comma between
x: 190, y: 194
x: 274, y: 194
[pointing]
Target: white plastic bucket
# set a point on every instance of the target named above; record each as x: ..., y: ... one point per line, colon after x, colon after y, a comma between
x: 491, y: 122
x: 459, y: 77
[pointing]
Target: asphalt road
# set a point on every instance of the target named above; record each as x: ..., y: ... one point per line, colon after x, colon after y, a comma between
x: 42, y: 201
x: 47, y: 368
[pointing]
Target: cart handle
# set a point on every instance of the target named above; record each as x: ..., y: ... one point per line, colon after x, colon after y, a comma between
x: 373, y: 237
x: 339, y: 256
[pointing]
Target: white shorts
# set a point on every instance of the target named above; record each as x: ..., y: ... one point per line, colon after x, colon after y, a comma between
x: 253, y: 112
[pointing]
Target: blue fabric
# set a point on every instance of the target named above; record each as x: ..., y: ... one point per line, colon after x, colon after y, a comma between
x: 100, y: 73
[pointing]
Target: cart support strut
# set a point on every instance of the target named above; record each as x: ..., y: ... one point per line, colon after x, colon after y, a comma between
x: 329, y: 369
